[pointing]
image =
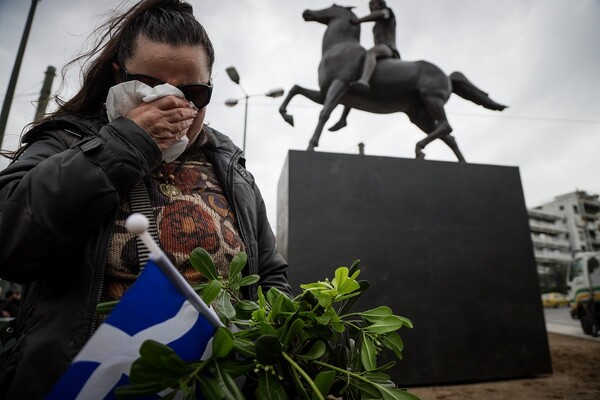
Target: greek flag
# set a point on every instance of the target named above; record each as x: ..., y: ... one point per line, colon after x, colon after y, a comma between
x: 153, y: 308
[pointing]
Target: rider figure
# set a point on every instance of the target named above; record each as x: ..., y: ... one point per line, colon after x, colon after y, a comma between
x: 384, y: 37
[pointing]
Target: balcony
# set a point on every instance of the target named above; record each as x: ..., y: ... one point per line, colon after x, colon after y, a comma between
x: 552, y: 256
x: 538, y: 226
x: 553, y: 242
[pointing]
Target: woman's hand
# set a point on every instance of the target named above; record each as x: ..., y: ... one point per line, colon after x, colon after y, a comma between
x: 166, y: 119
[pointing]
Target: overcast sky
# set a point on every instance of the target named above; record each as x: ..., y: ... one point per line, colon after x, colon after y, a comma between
x: 540, y: 57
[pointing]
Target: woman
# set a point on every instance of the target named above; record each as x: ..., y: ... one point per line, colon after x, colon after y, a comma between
x: 64, y: 200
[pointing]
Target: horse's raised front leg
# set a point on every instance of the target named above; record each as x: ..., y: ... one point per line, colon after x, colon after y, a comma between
x: 334, y: 94
x: 314, y: 95
x: 342, y: 122
x: 435, y: 108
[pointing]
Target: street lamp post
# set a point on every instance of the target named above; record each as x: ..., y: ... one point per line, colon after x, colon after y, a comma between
x: 235, y: 77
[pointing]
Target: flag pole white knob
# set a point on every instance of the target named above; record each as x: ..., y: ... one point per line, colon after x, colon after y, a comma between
x: 137, y: 224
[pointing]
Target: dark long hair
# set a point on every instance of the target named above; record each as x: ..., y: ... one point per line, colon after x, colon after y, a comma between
x: 163, y: 21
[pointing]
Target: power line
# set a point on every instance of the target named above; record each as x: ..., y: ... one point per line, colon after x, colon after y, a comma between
x: 547, y: 119
x: 567, y: 120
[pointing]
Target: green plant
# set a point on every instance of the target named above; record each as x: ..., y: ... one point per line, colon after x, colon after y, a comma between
x: 309, y: 347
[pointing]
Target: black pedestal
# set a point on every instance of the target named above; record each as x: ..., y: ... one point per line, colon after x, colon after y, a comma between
x: 444, y: 244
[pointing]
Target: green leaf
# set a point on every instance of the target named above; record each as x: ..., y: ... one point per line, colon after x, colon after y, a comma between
x: 377, y: 314
x: 287, y: 305
x: 394, y: 342
x: 237, y: 367
x: 228, y: 385
x: 155, y: 353
x: 347, y: 304
x: 175, y: 364
x: 270, y: 388
x: 261, y: 298
x: 106, y: 307
x: 368, y: 354
x: 341, y: 274
x: 223, y: 342
x: 266, y: 329
x: 210, y: 388
x: 275, y: 305
x: 203, y: 262
x: 268, y: 349
x: 316, y: 351
x: 334, y: 320
x: 354, y: 268
x: 317, y: 286
x: 273, y: 295
x: 368, y: 392
x: 344, y: 284
x: 294, y: 330
x: 299, y: 386
x: 245, y: 347
x: 142, y: 372
x: 386, y: 366
x: 395, y: 394
x: 385, y: 325
x: 211, y: 291
x: 325, y: 300
x: 247, y: 305
x: 323, y: 319
x: 244, y: 309
x: 406, y: 321
x: 377, y: 377
x: 249, y: 280
x: 237, y: 264
x: 223, y: 305
x: 323, y: 381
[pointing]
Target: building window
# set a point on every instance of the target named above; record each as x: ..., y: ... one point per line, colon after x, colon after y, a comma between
x: 561, y: 207
x: 575, y: 209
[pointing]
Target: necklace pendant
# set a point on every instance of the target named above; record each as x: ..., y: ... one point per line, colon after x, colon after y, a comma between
x: 169, y: 190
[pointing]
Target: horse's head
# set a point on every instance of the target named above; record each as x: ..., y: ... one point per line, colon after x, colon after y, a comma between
x: 327, y: 15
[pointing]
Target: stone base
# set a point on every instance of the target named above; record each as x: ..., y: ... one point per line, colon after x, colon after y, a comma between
x: 445, y: 244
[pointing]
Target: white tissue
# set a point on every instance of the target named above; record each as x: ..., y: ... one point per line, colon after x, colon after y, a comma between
x: 125, y: 96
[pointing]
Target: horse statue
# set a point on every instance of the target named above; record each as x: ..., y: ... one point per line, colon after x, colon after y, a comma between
x: 417, y: 88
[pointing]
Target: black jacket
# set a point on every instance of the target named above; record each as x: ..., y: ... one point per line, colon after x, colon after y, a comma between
x: 57, y: 208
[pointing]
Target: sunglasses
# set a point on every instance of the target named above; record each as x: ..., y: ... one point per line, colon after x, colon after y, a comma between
x: 197, y: 93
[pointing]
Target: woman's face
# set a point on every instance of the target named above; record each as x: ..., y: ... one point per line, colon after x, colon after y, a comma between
x: 172, y: 64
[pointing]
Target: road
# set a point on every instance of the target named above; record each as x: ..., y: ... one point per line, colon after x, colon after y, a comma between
x: 558, y: 320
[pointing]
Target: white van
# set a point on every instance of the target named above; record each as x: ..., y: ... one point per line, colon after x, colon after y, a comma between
x: 583, y: 285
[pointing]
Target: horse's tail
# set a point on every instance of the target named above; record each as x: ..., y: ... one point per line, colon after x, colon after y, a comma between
x: 465, y: 89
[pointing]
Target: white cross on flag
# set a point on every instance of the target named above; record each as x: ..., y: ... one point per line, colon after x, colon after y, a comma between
x: 151, y: 309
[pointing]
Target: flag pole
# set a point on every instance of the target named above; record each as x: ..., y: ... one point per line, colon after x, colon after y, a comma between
x: 137, y: 224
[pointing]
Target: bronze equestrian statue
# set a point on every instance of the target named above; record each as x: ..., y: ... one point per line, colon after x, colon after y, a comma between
x: 417, y: 88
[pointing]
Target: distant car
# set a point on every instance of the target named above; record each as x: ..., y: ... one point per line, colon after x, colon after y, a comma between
x: 554, y: 300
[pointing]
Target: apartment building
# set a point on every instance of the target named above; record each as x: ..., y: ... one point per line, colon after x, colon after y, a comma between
x: 582, y: 218
x: 561, y: 228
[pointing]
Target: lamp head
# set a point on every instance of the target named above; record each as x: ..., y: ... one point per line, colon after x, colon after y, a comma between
x: 233, y: 74
x: 275, y: 93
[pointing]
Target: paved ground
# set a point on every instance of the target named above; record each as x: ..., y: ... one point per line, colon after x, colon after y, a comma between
x: 558, y: 320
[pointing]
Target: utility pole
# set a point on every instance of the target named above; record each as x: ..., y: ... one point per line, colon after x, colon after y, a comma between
x: 45, y: 94
x: 15, y: 73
